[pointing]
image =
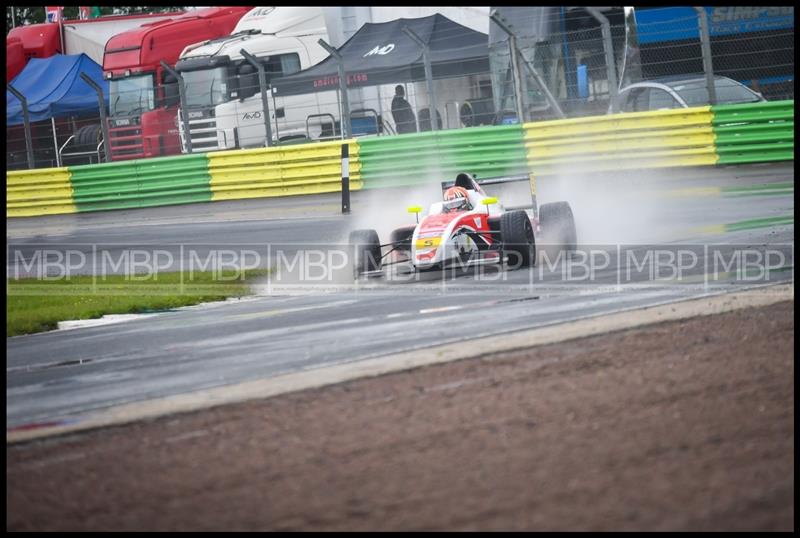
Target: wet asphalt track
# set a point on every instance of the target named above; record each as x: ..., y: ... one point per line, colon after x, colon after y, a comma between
x: 65, y: 375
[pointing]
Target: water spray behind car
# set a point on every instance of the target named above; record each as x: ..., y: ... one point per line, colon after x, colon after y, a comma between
x: 614, y: 207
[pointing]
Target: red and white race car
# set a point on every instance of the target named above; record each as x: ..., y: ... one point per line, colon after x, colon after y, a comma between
x: 466, y: 228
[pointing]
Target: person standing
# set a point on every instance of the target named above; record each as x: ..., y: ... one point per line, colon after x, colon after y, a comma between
x: 402, y: 113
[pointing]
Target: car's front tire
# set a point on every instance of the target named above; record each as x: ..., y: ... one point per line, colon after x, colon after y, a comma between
x: 365, y: 252
x: 401, y: 239
x: 516, y: 233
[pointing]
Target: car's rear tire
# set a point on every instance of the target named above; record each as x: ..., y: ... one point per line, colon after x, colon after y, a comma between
x: 516, y: 233
x: 365, y: 251
x: 558, y: 226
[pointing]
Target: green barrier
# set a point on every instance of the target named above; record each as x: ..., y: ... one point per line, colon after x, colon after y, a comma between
x: 141, y: 183
x: 174, y: 180
x: 745, y: 133
x: 753, y: 133
x: 418, y: 158
x: 104, y: 186
x: 764, y: 189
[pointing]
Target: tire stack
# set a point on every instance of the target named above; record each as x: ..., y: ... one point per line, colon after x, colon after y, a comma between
x: 88, y: 137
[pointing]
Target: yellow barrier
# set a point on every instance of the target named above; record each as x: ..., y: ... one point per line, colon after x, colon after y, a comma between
x: 664, y: 138
x: 46, y: 191
x: 282, y: 171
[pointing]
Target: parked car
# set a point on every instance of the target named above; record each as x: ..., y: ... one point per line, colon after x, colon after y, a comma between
x: 682, y: 92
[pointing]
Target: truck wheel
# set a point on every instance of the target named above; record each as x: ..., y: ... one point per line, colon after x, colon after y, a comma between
x: 558, y: 226
x: 365, y: 251
x: 516, y: 233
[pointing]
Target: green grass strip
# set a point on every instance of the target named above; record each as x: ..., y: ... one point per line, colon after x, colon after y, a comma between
x: 35, y: 305
x: 752, y: 224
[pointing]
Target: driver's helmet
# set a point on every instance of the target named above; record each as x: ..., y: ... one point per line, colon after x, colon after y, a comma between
x: 458, y: 193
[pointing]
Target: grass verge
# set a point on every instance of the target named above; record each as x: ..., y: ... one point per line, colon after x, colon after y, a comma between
x: 35, y: 305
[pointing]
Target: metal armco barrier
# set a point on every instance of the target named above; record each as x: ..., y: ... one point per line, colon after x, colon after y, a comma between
x: 281, y: 171
x: 664, y: 138
x: 754, y: 133
x: 141, y: 183
x: 46, y: 191
x: 732, y: 134
x: 417, y: 158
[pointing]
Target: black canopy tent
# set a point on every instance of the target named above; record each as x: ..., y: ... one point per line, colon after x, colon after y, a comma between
x: 381, y: 53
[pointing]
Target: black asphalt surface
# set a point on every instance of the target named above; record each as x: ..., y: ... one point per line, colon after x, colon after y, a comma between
x: 295, y: 324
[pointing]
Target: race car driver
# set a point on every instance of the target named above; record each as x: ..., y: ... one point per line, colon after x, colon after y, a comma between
x: 460, y: 194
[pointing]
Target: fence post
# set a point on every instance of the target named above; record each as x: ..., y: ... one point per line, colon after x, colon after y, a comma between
x: 277, y: 126
x: 705, y: 46
x: 103, y: 122
x: 262, y: 82
x: 345, y: 121
x: 426, y: 59
x: 516, y: 54
x: 55, y: 141
x: 27, y: 123
x: 182, y: 97
x: 345, y: 178
x: 538, y: 78
x: 608, y: 47
x: 515, y: 71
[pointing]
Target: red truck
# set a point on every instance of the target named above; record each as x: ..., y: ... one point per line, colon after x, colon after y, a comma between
x: 143, y: 97
x: 71, y: 37
x: 15, y: 58
x: 26, y: 42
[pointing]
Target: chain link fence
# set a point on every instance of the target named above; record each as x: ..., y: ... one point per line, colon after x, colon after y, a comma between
x: 63, y: 142
x: 588, y: 58
x: 543, y: 63
x: 753, y: 46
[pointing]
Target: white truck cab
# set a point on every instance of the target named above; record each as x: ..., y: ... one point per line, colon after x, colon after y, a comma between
x: 223, y: 99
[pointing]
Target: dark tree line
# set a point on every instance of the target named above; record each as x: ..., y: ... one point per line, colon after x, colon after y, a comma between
x: 36, y: 14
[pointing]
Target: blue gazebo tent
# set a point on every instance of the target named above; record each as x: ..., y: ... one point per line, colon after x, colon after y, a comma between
x: 53, y: 88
